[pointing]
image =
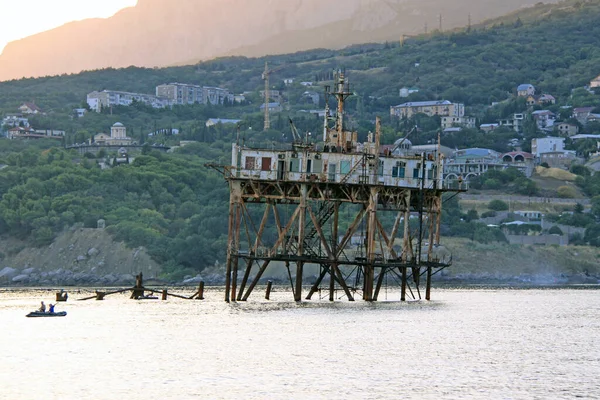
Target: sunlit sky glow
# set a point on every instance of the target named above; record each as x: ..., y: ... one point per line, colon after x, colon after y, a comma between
x: 19, y: 19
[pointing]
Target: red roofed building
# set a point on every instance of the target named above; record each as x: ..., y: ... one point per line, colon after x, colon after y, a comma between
x: 521, y: 160
x: 30, y: 108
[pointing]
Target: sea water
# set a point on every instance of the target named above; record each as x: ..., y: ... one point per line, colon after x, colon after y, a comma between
x: 464, y: 344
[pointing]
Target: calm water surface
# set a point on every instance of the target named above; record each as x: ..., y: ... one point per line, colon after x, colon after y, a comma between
x: 465, y: 344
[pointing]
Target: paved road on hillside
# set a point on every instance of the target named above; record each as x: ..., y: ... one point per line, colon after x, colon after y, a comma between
x: 523, y: 199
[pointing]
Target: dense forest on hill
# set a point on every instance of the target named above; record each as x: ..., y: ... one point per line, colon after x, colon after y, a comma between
x: 176, y: 207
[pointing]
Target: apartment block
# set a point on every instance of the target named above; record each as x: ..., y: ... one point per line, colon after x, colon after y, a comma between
x: 107, y: 98
x: 183, y: 93
x: 430, y: 108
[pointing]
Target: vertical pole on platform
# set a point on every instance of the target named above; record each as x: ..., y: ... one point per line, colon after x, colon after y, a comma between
x: 230, y: 245
x: 301, y: 233
x: 164, y: 294
x: 371, y: 230
x: 334, y: 250
x: 234, y: 278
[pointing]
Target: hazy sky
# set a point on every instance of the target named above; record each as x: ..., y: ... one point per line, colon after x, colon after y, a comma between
x: 19, y: 19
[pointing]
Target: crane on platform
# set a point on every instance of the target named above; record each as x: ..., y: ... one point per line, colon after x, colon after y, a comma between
x: 265, y: 76
x: 296, y: 136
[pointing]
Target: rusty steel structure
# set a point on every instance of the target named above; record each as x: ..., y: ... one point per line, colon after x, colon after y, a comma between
x: 310, y: 203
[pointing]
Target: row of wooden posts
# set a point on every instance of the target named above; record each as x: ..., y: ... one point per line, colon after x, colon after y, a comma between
x: 138, y: 292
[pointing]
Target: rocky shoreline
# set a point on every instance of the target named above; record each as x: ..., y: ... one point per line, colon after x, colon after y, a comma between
x: 30, y: 277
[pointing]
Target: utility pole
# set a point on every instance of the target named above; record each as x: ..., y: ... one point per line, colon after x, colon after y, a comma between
x: 440, y: 23
x: 266, y: 79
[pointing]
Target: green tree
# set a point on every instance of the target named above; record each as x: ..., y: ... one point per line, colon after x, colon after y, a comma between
x: 498, y: 205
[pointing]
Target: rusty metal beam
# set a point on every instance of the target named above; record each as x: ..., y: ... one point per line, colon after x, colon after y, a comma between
x: 256, y: 279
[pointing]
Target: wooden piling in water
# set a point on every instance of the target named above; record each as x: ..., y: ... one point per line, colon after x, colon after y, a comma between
x: 61, y: 296
x: 200, y: 291
x: 428, y: 287
x: 268, y: 293
x: 403, y: 287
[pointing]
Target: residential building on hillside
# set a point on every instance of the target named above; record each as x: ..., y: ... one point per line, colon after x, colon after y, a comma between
x: 180, y: 93
x: 320, y: 113
x: 20, y: 132
x: 273, y: 107
x: 567, y: 129
x: 216, y: 96
x: 15, y: 120
x: 595, y: 83
x: 30, y: 108
x: 521, y: 160
x: 559, y: 159
x: 274, y: 95
x: 575, y: 138
x: 79, y: 112
x: 468, y: 163
x: 542, y: 99
x: 546, y: 145
x: 467, y: 122
x: 488, y: 127
x: 405, y: 91
x: 592, y: 118
x: 430, y: 108
x: 50, y: 132
x: 107, y: 98
x: 310, y: 97
x: 215, y: 121
x: 544, y: 119
x: 525, y: 90
x: 581, y: 114
x: 183, y: 93
x: 515, y: 122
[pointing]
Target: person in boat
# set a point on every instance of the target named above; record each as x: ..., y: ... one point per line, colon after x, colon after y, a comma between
x: 51, y: 308
x: 42, y: 307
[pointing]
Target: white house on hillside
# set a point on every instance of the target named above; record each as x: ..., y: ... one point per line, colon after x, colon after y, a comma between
x: 547, y: 145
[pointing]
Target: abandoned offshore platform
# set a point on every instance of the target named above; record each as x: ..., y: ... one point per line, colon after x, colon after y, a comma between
x: 318, y: 200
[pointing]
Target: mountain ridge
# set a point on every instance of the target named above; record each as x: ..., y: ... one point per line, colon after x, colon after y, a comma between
x: 133, y: 35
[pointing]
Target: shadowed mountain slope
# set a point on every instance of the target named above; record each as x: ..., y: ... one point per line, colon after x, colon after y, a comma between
x: 160, y: 33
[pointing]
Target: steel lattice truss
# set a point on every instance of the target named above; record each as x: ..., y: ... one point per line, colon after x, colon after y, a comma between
x: 310, y: 231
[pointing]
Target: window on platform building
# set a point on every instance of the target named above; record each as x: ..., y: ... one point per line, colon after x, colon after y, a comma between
x: 416, y: 171
x: 317, y: 166
x: 294, y: 165
x: 250, y: 162
x: 399, y: 169
x: 344, y: 167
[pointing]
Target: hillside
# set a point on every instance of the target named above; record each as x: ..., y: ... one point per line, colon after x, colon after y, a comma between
x: 536, y: 265
x: 159, y: 33
x: 78, y: 256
